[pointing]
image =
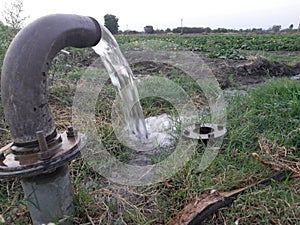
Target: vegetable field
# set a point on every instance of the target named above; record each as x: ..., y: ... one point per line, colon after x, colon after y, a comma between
x: 226, y: 46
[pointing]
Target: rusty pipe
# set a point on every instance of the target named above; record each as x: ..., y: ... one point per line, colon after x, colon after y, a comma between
x: 25, y: 68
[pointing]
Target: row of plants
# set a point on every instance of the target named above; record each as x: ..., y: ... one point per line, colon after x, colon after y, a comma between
x: 227, y: 46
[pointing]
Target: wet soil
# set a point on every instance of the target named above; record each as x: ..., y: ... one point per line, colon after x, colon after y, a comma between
x: 249, y: 72
x: 230, y: 73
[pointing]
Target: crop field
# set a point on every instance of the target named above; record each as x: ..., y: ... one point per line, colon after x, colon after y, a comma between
x: 225, y: 46
x: 254, y: 72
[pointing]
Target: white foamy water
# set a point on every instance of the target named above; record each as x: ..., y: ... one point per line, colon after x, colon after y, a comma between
x: 122, y: 78
x: 161, y: 134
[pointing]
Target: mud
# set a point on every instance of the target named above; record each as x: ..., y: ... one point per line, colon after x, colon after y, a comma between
x: 249, y: 72
x: 229, y: 73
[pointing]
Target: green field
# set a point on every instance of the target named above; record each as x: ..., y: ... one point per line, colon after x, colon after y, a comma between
x: 227, y: 46
x: 271, y: 112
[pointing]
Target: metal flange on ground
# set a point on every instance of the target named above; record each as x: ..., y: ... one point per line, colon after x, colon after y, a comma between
x: 38, y: 155
x: 204, y: 131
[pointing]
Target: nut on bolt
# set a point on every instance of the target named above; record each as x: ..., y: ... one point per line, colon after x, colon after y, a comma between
x: 71, y: 132
x: 211, y: 135
x: 186, y: 132
x: 2, y: 156
x: 197, y: 125
x: 220, y: 127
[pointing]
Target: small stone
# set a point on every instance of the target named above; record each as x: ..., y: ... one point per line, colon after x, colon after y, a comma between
x: 2, y: 220
x: 296, y: 77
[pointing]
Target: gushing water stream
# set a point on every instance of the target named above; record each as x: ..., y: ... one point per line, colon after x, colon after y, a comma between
x: 122, y: 78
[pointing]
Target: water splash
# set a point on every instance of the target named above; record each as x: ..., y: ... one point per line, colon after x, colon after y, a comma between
x: 122, y: 78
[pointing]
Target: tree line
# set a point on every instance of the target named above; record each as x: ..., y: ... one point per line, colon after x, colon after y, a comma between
x: 111, y: 22
x: 206, y: 30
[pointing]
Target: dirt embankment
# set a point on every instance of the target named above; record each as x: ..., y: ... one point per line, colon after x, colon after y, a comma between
x: 248, y: 72
x: 229, y: 72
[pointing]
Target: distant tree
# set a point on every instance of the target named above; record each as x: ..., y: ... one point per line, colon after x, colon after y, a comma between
x: 159, y: 31
x: 276, y: 28
x: 190, y: 30
x: 111, y: 22
x: 149, y: 29
x: 256, y: 30
x: 221, y: 30
x: 168, y: 30
x: 207, y: 29
x: 12, y: 14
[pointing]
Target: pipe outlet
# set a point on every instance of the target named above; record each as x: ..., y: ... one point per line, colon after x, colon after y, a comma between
x: 25, y: 67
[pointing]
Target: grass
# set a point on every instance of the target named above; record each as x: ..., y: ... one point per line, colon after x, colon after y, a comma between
x: 291, y: 58
x: 270, y: 111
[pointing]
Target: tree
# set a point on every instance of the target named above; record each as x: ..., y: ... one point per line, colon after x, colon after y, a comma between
x: 276, y: 28
x: 12, y: 14
x: 13, y: 19
x: 111, y: 22
x: 149, y: 29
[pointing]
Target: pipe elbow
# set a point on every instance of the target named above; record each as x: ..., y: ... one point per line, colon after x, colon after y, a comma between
x: 25, y: 68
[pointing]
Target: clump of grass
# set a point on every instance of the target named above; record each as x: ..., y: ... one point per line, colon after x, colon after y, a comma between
x: 270, y: 110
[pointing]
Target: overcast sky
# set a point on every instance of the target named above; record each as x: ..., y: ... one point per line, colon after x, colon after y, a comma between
x: 162, y: 14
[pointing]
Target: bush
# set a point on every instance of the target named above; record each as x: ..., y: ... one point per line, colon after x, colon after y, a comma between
x: 6, y: 36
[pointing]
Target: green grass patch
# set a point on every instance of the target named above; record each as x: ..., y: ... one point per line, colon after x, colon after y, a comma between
x: 271, y: 110
x: 291, y: 58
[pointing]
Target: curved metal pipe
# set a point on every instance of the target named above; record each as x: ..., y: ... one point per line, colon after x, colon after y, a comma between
x: 25, y: 68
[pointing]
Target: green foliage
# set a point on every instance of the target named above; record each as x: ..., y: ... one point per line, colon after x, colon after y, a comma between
x: 13, y: 15
x: 14, y: 19
x: 111, y: 22
x: 271, y: 110
x: 6, y: 36
x: 226, y: 46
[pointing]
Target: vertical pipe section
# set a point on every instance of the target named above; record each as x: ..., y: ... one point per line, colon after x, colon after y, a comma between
x: 25, y: 68
x: 50, y: 197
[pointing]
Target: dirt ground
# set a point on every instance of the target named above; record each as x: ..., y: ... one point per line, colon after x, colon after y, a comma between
x: 249, y: 72
x: 232, y: 73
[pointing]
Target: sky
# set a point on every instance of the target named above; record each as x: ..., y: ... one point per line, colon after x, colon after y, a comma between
x: 163, y: 14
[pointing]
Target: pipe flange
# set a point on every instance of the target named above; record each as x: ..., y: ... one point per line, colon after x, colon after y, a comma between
x: 16, y: 162
x: 204, y: 131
